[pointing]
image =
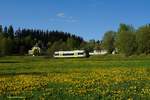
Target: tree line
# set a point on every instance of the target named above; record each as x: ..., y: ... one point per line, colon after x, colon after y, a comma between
x: 128, y: 40
x: 18, y: 42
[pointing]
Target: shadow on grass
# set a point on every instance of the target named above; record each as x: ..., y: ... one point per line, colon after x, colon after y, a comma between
x: 10, y: 62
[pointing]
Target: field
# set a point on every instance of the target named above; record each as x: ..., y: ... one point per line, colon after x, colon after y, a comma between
x: 100, y: 77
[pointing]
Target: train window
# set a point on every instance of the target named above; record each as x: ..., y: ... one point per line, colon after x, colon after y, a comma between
x: 68, y: 54
x: 80, y: 53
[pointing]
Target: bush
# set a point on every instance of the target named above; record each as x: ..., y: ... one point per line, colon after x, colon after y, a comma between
x: 36, y: 52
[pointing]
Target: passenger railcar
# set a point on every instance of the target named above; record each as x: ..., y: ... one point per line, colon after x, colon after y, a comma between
x: 70, y: 54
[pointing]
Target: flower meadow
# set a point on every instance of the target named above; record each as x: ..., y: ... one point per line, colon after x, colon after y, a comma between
x: 113, y: 83
x: 75, y: 83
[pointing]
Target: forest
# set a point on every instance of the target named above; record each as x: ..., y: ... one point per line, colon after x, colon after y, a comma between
x: 18, y: 42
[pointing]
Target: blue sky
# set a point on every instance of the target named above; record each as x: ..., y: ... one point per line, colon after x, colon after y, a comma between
x: 87, y: 18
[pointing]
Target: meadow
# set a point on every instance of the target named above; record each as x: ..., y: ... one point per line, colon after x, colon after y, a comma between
x: 96, y: 78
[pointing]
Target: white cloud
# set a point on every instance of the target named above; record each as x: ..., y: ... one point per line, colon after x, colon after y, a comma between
x: 62, y: 15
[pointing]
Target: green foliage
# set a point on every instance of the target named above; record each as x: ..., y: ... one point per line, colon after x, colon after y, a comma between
x: 124, y: 28
x: 143, y: 39
x: 5, y: 32
x: 1, y: 29
x: 57, y: 46
x: 125, y: 40
x: 98, y: 46
x: 6, y: 46
x: 24, y: 39
x: 10, y: 32
x: 72, y: 43
x: 36, y: 52
x: 89, y: 46
x: 108, y: 41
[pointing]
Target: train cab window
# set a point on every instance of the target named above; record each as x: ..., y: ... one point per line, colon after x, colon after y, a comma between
x: 56, y: 54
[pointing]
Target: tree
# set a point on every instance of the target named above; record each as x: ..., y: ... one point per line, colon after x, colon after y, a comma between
x: 98, y: 46
x: 108, y: 41
x: 90, y: 46
x: 1, y: 29
x: 5, y: 33
x: 143, y: 39
x: 72, y: 44
x: 55, y: 47
x: 124, y: 28
x: 10, y: 44
x: 6, y: 46
x: 63, y: 46
x: 49, y: 44
x: 25, y: 39
x: 125, y: 40
x: 28, y: 42
x: 11, y: 32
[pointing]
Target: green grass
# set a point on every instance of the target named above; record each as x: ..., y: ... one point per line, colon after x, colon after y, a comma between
x: 22, y: 64
x: 97, y: 77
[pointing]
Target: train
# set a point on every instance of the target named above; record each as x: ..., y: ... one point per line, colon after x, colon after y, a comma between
x: 71, y: 54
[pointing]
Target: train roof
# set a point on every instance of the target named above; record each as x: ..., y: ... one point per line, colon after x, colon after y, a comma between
x: 70, y: 51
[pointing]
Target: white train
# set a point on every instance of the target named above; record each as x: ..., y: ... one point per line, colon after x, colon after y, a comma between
x: 70, y: 54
